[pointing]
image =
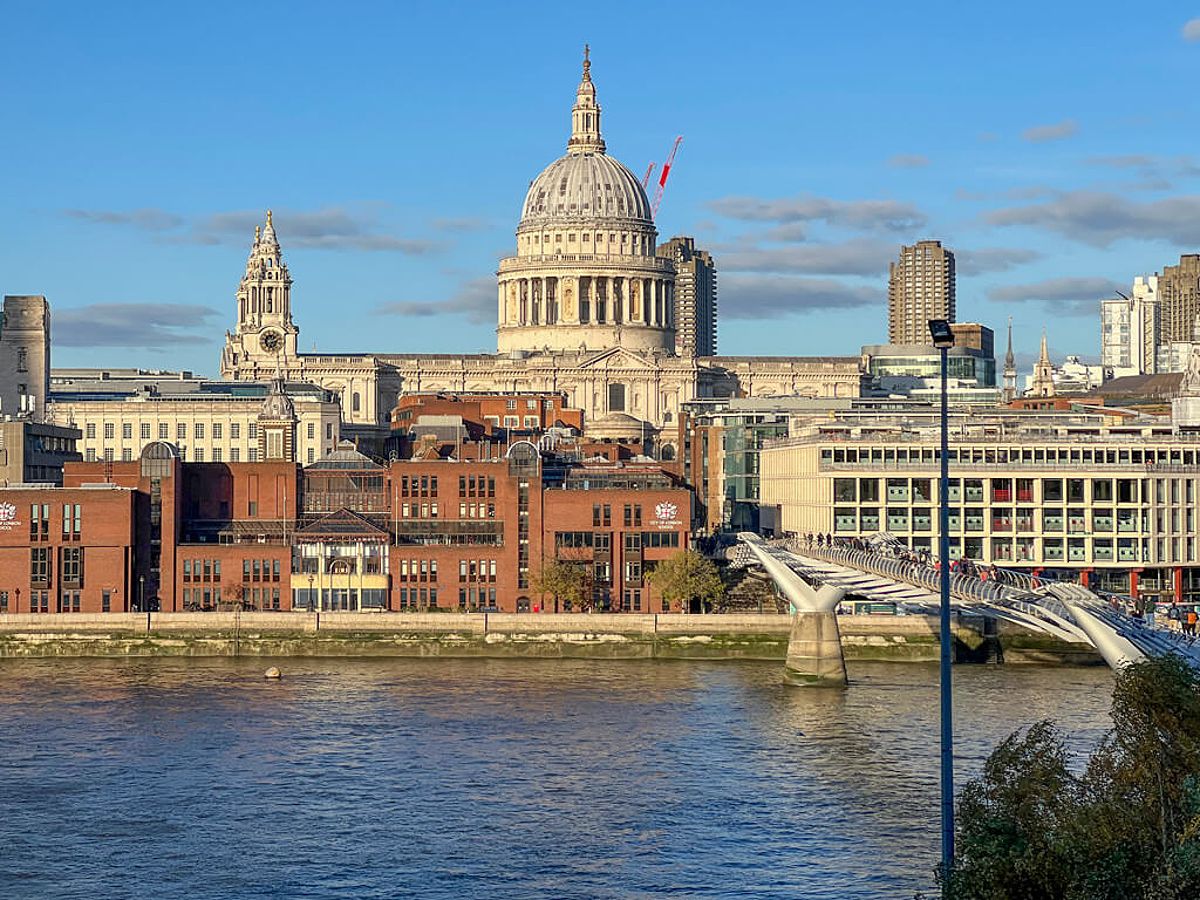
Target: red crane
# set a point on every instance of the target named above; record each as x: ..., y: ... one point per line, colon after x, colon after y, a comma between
x: 662, y: 179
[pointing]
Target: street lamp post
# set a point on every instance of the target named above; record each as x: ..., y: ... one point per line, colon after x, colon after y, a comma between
x: 311, y: 599
x: 943, y: 340
x: 141, y: 593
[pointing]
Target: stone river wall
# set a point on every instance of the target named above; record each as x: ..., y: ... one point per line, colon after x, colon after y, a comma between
x: 538, y: 635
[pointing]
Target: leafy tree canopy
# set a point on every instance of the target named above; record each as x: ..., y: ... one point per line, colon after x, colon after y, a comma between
x: 1126, y: 828
x: 687, y: 576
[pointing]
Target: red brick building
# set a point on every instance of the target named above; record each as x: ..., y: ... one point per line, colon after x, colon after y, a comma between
x: 345, y: 533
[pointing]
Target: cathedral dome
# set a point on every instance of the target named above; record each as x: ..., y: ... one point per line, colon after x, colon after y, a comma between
x: 585, y: 188
x: 586, y: 274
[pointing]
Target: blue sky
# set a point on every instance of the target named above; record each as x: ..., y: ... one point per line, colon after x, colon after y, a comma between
x: 1050, y: 145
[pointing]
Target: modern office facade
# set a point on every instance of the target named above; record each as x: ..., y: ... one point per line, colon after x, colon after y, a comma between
x: 1116, y: 503
x: 921, y: 286
x: 34, y: 452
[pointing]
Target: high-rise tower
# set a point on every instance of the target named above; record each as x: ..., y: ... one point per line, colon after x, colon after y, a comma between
x: 695, y: 297
x: 1179, y: 298
x: 920, y: 288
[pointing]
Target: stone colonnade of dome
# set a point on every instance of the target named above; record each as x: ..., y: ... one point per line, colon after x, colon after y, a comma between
x: 567, y: 303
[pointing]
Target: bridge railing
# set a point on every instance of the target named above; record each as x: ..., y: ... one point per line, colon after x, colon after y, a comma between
x: 963, y: 586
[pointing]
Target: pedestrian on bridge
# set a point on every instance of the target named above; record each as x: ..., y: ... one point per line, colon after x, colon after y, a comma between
x: 1189, y: 624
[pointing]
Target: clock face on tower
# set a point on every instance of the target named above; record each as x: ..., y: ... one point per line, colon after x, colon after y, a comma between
x: 271, y: 341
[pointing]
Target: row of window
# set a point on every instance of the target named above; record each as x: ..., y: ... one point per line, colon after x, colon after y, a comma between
x: 602, y: 515
x: 1006, y: 490
x: 39, y: 522
x: 210, y: 597
x: 418, y: 485
x: 1015, y: 455
x: 198, y: 431
x: 418, y: 598
x: 417, y: 570
x: 70, y: 566
x: 66, y: 601
x: 1005, y: 518
x: 477, y: 570
x: 477, y: 486
x: 601, y: 540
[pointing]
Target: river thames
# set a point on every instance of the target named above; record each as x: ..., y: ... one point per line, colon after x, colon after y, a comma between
x: 485, y: 778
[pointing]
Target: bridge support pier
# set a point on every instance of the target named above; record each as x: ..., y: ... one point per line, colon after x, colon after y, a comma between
x: 814, y: 656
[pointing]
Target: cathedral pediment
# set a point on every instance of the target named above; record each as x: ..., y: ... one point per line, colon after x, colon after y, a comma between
x: 619, y: 358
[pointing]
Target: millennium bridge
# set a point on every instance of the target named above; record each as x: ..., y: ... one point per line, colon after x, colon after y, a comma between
x: 814, y: 580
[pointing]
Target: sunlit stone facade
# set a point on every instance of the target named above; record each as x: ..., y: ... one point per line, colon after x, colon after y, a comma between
x: 584, y: 308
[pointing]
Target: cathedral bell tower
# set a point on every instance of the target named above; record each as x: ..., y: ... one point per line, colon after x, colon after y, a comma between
x: 265, y: 337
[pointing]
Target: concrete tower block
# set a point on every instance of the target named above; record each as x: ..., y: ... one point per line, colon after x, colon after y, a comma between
x: 814, y: 656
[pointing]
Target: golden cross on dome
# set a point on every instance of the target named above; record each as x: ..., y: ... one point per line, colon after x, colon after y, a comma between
x: 587, y: 63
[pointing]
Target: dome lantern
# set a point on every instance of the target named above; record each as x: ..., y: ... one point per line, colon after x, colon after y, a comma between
x: 585, y: 114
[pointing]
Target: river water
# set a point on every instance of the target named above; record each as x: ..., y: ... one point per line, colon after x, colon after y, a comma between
x: 483, y: 778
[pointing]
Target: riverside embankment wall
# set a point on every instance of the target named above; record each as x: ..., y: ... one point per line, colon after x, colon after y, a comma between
x: 538, y: 635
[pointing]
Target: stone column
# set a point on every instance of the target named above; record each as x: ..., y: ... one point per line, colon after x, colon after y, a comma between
x: 502, y: 313
x: 814, y: 655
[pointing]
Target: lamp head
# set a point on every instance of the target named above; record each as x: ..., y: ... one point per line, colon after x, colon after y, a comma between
x: 942, y: 334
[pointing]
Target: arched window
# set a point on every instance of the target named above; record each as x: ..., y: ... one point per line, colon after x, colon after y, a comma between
x: 355, y: 402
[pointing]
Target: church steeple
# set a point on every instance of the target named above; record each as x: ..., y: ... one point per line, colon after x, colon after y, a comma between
x: 264, y: 295
x: 585, y: 114
x: 1043, y: 373
x: 1010, y: 369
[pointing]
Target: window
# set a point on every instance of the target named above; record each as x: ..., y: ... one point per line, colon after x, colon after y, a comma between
x: 235, y: 430
x: 22, y: 359
x: 145, y: 431
x: 216, y: 431
x: 71, y: 566
x: 90, y: 431
x: 163, y: 431
x: 39, y: 565
x: 312, y: 431
x: 616, y: 397
x: 198, y: 431
x: 109, y: 430
x: 355, y: 402
x: 181, y: 432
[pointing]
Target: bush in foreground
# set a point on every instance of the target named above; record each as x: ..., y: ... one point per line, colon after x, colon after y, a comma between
x: 1128, y: 827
